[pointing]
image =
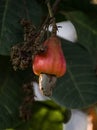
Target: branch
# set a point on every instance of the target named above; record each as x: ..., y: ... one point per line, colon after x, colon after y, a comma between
x: 54, y: 9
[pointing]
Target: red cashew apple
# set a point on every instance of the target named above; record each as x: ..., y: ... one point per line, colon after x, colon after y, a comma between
x: 52, y: 60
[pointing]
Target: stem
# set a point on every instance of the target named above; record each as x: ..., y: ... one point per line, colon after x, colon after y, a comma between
x: 52, y: 11
x: 54, y: 27
x: 49, y: 8
x: 54, y: 8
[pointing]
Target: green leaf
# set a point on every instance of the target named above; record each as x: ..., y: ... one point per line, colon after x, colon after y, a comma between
x: 86, y: 27
x: 46, y: 116
x: 83, y: 5
x: 11, y: 12
x: 78, y: 87
x: 10, y: 93
x: 9, y: 129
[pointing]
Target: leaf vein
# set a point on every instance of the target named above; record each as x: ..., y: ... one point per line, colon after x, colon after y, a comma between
x: 4, y: 17
x: 76, y: 86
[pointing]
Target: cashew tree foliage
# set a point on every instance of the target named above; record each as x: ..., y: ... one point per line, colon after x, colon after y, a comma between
x: 24, y: 23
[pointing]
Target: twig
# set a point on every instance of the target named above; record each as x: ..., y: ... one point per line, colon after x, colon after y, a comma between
x: 49, y: 8
x: 54, y: 9
x: 54, y: 27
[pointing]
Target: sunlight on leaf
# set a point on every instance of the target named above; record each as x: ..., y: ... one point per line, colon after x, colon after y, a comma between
x: 94, y: 1
x: 44, y: 118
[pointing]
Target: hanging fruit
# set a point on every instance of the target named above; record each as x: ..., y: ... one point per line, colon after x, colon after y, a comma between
x: 49, y: 64
x: 52, y: 60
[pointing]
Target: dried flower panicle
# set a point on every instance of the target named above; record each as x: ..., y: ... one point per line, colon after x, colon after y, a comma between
x: 22, y: 53
x: 21, y: 56
x: 25, y: 109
